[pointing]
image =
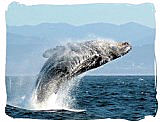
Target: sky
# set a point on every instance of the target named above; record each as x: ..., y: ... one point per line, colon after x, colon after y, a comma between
x: 19, y: 14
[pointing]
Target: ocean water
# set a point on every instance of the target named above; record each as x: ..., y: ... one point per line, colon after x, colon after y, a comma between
x: 94, y: 97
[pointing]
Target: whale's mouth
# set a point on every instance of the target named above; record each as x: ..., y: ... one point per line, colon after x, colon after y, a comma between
x: 126, y: 47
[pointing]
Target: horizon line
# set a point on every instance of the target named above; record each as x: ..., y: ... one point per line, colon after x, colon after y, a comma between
x: 89, y: 75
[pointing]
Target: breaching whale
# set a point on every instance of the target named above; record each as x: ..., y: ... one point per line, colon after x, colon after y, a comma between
x: 73, y: 59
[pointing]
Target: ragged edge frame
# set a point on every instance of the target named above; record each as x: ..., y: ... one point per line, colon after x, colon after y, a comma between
x: 4, y: 6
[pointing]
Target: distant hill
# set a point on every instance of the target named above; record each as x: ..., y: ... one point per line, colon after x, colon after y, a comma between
x: 25, y: 45
x: 53, y: 32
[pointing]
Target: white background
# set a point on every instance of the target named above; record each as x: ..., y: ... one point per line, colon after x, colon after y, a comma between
x: 3, y: 7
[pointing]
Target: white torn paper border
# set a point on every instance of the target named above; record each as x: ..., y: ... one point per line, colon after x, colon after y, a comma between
x: 3, y: 8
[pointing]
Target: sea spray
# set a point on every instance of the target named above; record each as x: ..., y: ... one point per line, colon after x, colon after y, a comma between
x: 62, y: 100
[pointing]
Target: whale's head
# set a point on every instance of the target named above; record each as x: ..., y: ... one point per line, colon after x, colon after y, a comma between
x: 119, y: 49
x: 106, y: 51
x: 113, y: 49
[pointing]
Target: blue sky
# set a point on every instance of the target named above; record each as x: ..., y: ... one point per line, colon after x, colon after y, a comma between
x: 19, y: 14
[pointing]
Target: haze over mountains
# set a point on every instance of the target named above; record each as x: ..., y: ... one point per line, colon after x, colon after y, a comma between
x: 25, y: 45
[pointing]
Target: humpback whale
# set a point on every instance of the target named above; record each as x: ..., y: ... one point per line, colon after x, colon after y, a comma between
x: 70, y: 60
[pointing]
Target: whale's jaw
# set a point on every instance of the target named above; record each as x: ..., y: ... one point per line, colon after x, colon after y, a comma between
x: 69, y: 61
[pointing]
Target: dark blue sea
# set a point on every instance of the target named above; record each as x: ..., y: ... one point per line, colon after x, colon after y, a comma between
x: 101, y: 97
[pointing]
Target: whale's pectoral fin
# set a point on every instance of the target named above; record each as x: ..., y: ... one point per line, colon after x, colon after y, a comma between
x: 53, y: 51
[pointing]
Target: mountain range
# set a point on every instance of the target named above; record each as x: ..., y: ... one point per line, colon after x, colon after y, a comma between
x: 25, y: 45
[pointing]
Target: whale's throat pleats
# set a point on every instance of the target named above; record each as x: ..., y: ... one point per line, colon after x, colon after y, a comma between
x: 88, y: 64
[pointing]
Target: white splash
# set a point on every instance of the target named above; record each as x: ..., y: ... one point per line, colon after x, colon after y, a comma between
x: 62, y: 100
